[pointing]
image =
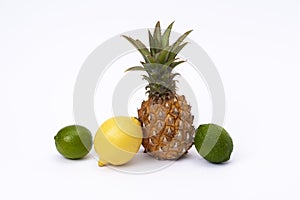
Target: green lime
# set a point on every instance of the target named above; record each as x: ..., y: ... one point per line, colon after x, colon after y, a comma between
x: 213, y: 143
x: 73, y: 141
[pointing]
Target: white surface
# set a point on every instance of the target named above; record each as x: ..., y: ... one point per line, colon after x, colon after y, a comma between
x: 255, y: 45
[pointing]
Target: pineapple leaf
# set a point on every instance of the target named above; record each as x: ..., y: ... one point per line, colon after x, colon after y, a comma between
x: 161, y: 69
x: 146, y: 78
x: 181, y: 38
x: 163, y: 54
x: 135, y: 68
x: 151, y: 43
x: 177, y: 43
x: 157, y: 37
x: 169, y: 62
x: 174, y: 53
x: 149, y: 67
x: 145, y: 52
x: 173, y: 75
x: 174, y: 64
x: 166, y: 36
x: 141, y: 48
x: 156, y: 56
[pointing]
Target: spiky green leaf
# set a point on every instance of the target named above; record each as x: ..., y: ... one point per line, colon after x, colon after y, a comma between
x: 175, y: 51
x: 163, y: 55
x: 166, y: 36
x: 174, y: 64
x: 145, y: 52
x: 177, y: 43
x: 181, y: 38
x: 169, y: 62
x: 172, y: 76
x: 157, y: 37
x: 135, y: 68
x: 146, y: 78
x: 151, y: 43
x: 141, y: 48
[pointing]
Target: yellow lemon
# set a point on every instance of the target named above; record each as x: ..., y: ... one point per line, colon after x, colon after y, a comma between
x: 117, y: 140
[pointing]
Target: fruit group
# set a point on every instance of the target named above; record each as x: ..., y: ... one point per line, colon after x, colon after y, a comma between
x: 213, y: 143
x: 117, y: 140
x: 73, y: 141
x: 166, y: 116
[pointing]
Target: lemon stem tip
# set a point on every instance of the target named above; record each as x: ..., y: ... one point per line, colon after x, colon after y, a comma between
x: 101, y: 163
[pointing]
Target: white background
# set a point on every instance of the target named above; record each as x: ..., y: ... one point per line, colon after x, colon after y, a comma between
x: 255, y: 46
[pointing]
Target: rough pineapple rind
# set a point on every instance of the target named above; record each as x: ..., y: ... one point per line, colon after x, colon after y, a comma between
x: 167, y: 127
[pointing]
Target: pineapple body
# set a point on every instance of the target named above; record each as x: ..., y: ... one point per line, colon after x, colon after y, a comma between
x: 167, y: 127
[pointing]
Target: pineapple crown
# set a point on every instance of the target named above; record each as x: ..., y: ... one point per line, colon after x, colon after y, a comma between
x: 159, y: 61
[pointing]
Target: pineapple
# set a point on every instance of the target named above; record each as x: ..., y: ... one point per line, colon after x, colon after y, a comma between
x: 167, y: 122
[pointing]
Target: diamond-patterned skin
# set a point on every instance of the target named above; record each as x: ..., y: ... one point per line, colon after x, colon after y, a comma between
x: 167, y: 127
